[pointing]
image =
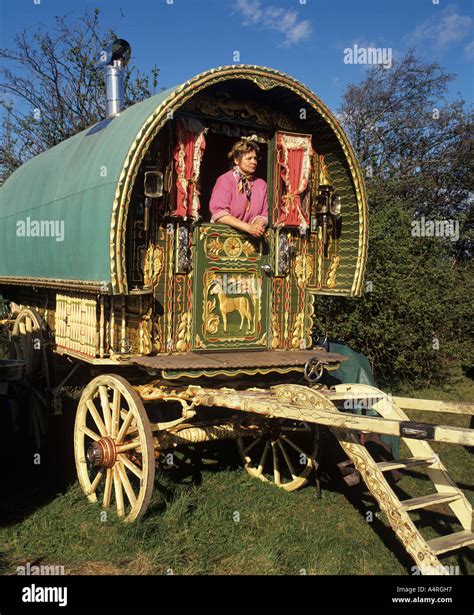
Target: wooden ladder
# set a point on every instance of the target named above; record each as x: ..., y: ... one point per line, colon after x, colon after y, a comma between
x: 424, y: 552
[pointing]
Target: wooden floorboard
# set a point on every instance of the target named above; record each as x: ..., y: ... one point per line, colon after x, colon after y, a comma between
x: 236, y: 359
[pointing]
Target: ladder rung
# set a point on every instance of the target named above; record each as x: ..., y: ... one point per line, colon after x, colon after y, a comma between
x: 451, y: 541
x: 399, y: 464
x: 430, y: 500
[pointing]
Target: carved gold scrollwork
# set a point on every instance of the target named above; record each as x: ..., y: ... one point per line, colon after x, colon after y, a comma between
x: 153, y: 264
x: 238, y: 110
x: 184, y: 332
x: 297, y: 394
x: 265, y: 83
x: 199, y: 344
x: 248, y: 248
x: 204, y: 231
x: 303, y: 270
x: 298, y: 330
x: 233, y: 247
x: 146, y: 327
x: 324, y: 177
x: 212, y: 319
x: 331, y: 279
x: 276, y: 343
x: 213, y: 248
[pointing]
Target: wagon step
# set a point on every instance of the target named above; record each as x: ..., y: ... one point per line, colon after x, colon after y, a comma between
x: 451, y: 542
x: 425, y: 501
x: 424, y: 552
x: 410, y: 462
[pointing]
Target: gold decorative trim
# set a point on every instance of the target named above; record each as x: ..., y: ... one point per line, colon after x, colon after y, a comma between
x: 309, y: 321
x: 332, y: 272
x: 184, y: 332
x: 153, y: 264
x: 198, y: 343
x: 89, y: 285
x: 298, y: 331
x: 266, y: 79
x: 276, y: 342
x: 169, y: 375
x: 232, y: 247
x: 303, y: 269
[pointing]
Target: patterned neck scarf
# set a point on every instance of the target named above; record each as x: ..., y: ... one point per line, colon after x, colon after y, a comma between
x: 243, y: 183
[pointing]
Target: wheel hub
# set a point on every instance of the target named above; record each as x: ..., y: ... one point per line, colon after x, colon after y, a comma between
x: 272, y: 432
x: 102, y: 453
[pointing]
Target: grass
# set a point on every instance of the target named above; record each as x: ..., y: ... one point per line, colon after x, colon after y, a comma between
x: 278, y: 533
x: 190, y: 527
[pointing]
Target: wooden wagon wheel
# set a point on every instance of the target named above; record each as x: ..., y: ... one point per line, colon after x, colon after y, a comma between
x: 283, y: 453
x: 113, y: 446
x: 29, y: 343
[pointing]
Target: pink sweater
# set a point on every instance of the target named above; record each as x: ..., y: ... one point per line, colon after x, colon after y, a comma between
x: 226, y: 199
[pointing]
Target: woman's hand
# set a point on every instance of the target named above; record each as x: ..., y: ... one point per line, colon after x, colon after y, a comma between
x: 256, y: 229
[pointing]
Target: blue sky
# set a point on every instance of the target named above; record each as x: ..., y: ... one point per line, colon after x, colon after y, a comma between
x: 305, y: 39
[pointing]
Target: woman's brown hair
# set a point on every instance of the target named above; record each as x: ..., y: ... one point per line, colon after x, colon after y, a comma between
x: 244, y: 146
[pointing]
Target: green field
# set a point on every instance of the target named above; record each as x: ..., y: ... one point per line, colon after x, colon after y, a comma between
x: 192, y: 526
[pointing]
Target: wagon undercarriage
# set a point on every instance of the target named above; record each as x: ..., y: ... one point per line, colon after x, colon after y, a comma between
x: 277, y: 433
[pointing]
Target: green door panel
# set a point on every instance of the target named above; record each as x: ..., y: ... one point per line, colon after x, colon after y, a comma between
x: 231, y: 290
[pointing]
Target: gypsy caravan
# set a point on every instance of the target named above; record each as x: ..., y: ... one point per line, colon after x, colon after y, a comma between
x: 194, y: 330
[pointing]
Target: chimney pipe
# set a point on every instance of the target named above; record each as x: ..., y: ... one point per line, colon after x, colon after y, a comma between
x: 119, y: 53
x: 114, y: 76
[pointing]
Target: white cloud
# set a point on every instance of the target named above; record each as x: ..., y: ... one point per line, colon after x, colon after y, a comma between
x: 448, y: 28
x: 286, y: 21
x: 469, y: 50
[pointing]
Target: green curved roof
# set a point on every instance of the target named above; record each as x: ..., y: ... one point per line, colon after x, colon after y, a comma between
x: 73, y: 183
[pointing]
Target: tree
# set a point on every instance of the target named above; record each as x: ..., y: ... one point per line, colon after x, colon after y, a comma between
x: 51, y: 87
x: 416, y: 150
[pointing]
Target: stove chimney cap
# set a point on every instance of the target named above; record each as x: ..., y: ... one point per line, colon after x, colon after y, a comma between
x: 119, y: 50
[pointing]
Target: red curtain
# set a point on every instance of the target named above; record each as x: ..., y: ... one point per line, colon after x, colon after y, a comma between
x: 188, y: 154
x: 294, y: 157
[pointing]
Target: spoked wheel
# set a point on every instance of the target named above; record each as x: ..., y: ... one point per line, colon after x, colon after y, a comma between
x: 113, y: 447
x: 284, y: 453
x: 29, y: 343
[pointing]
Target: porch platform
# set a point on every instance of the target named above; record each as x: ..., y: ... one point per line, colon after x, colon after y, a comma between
x: 237, y: 359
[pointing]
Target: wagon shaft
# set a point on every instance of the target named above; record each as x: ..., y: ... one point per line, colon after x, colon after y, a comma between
x: 428, y: 405
x: 281, y: 401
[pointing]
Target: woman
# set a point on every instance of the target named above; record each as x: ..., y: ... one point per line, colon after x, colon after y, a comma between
x: 238, y: 198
